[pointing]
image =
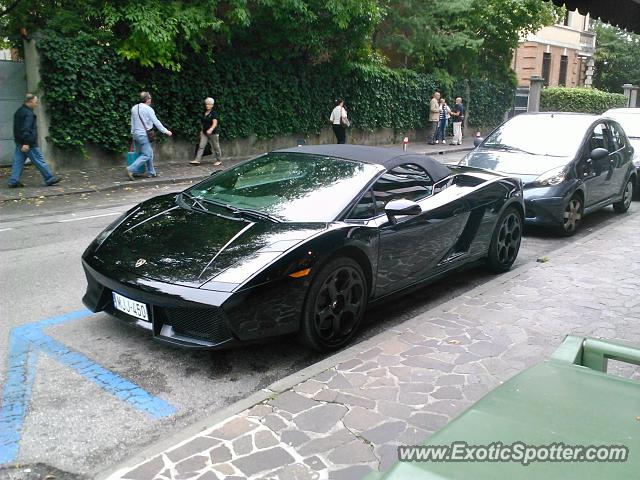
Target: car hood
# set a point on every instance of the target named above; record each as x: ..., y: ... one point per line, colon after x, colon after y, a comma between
x: 525, y: 166
x: 168, y: 243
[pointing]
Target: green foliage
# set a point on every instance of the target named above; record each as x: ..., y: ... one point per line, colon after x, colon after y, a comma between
x: 584, y: 100
x: 90, y: 90
x: 617, y: 60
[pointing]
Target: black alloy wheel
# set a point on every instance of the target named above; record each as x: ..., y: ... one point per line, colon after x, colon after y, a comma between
x: 335, y: 305
x: 505, y: 242
x: 623, y: 205
x: 571, y: 217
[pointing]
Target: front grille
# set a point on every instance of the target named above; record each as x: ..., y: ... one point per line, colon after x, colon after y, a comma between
x: 205, y: 323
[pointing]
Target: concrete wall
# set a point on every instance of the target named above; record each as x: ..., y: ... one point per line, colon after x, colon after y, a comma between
x: 171, y: 150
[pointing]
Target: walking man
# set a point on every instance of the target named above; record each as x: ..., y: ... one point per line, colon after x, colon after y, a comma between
x: 143, y: 119
x: 457, y: 116
x: 434, y: 117
x: 25, y: 135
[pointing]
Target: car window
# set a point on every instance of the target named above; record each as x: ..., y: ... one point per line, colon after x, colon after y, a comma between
x: 618, y: 137
x: 408, y: 181
x: 599, y: 138
x: 365, y: 208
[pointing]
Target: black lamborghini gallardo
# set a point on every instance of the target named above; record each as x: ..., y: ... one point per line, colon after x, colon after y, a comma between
x: 298, y: 240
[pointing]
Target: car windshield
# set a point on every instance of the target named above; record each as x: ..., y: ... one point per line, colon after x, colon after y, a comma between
x: 630, y: 123
x: 551, y: 135
x: 290, y: 186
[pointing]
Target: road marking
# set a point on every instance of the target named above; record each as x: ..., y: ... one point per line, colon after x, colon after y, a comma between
x: 5, y: 229
x: 25, y: 344
x: 90, y: 216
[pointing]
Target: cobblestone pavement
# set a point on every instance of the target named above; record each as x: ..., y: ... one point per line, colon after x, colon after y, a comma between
x: 349, y: 415
x: 114, y: 178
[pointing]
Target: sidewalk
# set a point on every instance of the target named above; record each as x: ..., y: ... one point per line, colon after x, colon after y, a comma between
x: 346, y: 415
x: 114, y: 178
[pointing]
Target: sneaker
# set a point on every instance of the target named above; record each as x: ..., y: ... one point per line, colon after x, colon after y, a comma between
x: 195, y: 162
x: 154, y: 175
x: 53, y: 181
x: 129, y: 175
x: 16, y: 185
x: 217, y: 163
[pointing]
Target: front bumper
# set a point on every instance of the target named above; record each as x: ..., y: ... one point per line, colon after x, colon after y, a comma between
x: 172, y: 318
x: 543, y: 209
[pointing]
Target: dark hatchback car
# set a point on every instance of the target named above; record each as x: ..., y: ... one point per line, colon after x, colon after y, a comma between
x: 298, y: 240
x: 570, y: 164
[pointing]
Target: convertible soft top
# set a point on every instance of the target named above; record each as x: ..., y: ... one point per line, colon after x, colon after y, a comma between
x: 387, y: 157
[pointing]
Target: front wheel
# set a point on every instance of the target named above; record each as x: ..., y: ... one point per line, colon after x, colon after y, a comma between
x: 505, y: 242
x: 335, y: 305
x: 623, y: 205
x: 572, y: 216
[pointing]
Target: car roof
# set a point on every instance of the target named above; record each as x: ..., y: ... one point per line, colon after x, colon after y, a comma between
x: 386, y: 157
x: 625, y: 111
x: 587, y: 116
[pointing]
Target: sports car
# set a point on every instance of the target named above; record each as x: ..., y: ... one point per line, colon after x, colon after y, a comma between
x: 299, y: 240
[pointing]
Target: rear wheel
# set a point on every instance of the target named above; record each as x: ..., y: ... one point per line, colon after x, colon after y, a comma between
x: 572, y: 216
x: 505, y: 242
x: 624, y: 204
x: 335, y: 305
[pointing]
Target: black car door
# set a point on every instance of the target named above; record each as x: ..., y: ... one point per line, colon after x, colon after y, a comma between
x: 620, y: 158
x: 411, y: 248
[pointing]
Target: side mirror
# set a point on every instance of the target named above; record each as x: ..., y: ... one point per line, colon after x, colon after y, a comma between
x: 599, y: 154
x: 401, y: 207
x: 477, y: 141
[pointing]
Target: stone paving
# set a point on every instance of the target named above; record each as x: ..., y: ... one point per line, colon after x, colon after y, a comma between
x: 404, y: 384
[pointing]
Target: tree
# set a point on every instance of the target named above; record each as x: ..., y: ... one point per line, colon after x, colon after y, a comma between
x: 617, y: 60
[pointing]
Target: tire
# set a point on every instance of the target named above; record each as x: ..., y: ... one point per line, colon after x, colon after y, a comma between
x: 623, y: 205
x: 335, y: 305
x: 505, y: 241
x: 572, y: 216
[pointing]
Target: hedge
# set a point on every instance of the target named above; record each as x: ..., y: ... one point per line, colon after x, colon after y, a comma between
x: 90, y: 90
x: 584, y: 100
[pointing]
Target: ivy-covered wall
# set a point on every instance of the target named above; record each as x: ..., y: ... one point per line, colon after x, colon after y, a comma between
x: 90, y: 90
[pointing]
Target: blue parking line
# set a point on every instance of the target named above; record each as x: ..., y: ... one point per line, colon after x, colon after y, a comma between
x: 25, y: 344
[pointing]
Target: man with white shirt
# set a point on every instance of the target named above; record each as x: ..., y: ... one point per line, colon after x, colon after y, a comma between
x: 143, y: 119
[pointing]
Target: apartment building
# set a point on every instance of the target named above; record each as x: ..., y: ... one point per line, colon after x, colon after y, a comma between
x: 562, y: 54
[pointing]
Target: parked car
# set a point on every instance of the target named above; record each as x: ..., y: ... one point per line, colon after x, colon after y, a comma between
x: 566, y: 401
x: 570, y: 164
x: 629, y: 119
x: 298, y: 240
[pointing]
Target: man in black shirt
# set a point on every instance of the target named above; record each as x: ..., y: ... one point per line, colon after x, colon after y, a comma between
x: 457, y: 115
x: 25, y: 134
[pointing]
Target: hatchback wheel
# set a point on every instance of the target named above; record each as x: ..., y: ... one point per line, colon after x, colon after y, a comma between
x: 572, y: 216
x: 335, y: 305
x: 623, y: 205
x: 505, y: 242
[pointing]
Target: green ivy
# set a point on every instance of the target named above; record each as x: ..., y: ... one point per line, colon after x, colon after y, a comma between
x: 584, y: 100
x: 90, y: 90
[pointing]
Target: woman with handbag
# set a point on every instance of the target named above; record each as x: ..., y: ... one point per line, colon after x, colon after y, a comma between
x: 209, y: 133
x: 143, y: 119
x: 339, y: 121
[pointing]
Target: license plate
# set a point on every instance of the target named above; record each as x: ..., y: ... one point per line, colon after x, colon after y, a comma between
x: 130, y: 307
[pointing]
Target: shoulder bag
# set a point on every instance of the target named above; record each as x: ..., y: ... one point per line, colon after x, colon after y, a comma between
x: 151, y: 134
x: 344, y: 121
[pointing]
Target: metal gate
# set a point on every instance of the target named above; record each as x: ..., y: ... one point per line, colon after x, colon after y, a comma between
x: 13, y: 87
x: 521, y: 102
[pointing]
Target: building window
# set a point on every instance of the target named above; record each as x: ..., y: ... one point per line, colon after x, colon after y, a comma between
x: 562, y: 78
x: 546, y: 67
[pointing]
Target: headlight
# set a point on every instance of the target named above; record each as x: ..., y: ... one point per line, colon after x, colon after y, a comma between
x: 463, y: 162
x: 102, y: 236
x: 552, y: 177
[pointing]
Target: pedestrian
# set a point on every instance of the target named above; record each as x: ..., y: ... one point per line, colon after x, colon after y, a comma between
x: 444, y: 114
x: 143, y: 119
x: 25, y: 135
x: 434, y: 116
x: 339, y: 121
x: 210, y: 133
x: 457, y: 117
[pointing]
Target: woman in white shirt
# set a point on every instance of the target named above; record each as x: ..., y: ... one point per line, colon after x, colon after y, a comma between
x: 339, y: 121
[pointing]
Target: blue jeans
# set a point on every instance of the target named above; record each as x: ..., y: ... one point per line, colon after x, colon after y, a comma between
x: 19, y: 157
x: 143, y: 145
x: 442, y: 127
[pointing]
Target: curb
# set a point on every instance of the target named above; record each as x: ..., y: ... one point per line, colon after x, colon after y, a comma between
x: 286, y: 383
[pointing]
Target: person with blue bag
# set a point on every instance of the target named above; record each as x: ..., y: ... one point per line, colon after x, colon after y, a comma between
x: 143, y: 119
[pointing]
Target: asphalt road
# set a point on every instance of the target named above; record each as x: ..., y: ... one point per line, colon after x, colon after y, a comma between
x: 81, y: 427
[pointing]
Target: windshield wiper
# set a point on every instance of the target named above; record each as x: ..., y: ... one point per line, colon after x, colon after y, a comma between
x: 501, y: 146
x: 246, y: 212
x: 196, y: 201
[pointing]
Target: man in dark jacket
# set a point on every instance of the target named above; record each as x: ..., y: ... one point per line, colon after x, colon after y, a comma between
x: 25, y: 134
